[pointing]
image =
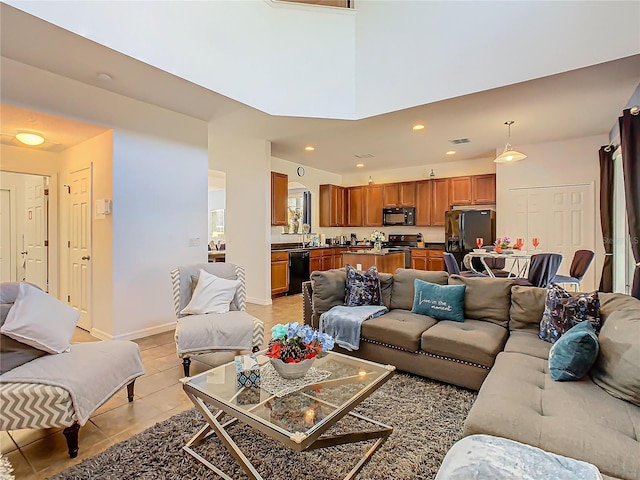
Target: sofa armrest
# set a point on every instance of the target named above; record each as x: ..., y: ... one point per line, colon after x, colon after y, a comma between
x: 307, y: 306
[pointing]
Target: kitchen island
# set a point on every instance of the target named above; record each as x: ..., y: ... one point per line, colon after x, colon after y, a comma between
x: 386, y: 262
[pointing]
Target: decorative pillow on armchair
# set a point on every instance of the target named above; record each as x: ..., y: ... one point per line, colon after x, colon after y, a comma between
x: 563, y: 310
x: 362, y: 288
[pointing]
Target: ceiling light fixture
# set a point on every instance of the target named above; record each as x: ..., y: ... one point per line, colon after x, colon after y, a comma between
x: 359, y: 165
x: 30, y: 138
x: 309, y: 148
x: 509, y: 155
x: 104, y: 77
x: 451, y: 152
x: 418, y: 127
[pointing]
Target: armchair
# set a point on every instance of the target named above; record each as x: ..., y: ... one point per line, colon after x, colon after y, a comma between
x: 200, y: 334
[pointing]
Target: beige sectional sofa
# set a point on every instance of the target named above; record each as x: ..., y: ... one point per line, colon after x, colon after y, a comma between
x: 497, y: 350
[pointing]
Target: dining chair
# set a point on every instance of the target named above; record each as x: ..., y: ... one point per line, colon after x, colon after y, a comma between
x: 452, y: 267
x: 542, y: 270
x: 495, y: 264
x: 579, y: 265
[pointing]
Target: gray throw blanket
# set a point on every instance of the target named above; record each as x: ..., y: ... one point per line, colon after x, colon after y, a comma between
x: 91, y: 372
x: 345, y: 323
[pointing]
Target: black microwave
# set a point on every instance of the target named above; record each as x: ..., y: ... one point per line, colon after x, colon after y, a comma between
x: 404, y: 216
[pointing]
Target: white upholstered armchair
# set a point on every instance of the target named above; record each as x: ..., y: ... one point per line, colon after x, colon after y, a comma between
x: 198, y: 334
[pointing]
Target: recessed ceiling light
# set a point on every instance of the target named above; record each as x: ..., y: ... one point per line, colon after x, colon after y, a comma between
x: 418, y: 127
x: 451, y: 152
x: 30, y: 138
x: 359, y: 165
x: 309, y: 148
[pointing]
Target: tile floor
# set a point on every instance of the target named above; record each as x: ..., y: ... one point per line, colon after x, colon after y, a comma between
x: 38, y: 454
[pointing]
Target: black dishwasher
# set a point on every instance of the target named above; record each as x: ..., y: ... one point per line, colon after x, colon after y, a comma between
x: 298, y: 270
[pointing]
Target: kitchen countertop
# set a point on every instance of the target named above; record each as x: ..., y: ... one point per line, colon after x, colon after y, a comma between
x: 371, y: 252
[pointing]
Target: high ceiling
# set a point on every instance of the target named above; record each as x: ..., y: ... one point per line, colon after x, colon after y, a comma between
x: 574, y: 104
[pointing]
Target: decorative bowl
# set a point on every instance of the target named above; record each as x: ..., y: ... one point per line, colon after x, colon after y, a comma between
x: 293, y: 369
x: 479, y: 250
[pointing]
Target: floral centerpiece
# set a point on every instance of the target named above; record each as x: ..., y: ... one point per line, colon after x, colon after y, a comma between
x: 297, y: 346
x: 503, y: 242
x: 377, y: 237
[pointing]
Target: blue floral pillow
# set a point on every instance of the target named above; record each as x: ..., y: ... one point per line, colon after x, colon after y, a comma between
x: 563, y: 310
x: 571, y: 357
x: 362, y: 288
x: 442, y: 302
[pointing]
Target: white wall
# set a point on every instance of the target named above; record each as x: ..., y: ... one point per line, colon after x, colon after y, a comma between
x: 246, y: 163
x: 555, y: 163
x: 328, y: 62
x: 312, y: 179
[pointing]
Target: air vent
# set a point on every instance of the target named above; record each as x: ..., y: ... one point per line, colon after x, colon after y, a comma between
x: 364, y: 155
x: 458, y: 141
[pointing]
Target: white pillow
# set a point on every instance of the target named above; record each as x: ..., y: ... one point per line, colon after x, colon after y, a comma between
x: 40, y: 320
x: 211, y: 295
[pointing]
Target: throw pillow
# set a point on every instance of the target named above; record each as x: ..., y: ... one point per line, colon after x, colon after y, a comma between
x: 571, y: 357
x: 563, y: 310
x: 362, y: 288
x: 40, y: 320
x: 211, y: 295
x: 442, y: 302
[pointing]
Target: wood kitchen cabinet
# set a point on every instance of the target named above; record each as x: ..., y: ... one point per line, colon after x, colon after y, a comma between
x: 279, y: 273
x: 279, y: 198
x: 423, y: 203
x: 332, y: 206
x: 439, y: 201
x: 337, y: 256
x: 355, y: 206
x: 320, y: 259
x: 422, y: 259
x: 399, y: 194
x: 373, y: 206
x: 483, y: 189
x: 460, y: 191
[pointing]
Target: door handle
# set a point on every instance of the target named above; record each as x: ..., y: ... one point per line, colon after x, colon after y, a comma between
x: 25, y: 253
x: 87, y: 257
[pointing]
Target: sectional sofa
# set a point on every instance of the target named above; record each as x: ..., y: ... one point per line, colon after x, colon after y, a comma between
x: 496, y: 350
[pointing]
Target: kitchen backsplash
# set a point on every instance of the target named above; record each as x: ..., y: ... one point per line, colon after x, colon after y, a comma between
x: 430, y: 234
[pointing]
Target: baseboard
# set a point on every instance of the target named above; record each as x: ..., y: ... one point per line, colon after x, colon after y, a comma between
x: 145, y: 332
x: 259, y: 301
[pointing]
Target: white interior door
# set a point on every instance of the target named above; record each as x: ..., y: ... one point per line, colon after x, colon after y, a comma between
x: 6, y: 259
x: 80, y: 245
x: 35, y: 232
x: 562, y: 217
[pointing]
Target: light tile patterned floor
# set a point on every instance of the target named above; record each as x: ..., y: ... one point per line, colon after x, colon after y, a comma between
x: 38, y: 454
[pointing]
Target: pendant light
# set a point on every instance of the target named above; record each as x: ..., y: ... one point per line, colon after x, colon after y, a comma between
x: 509, y: 155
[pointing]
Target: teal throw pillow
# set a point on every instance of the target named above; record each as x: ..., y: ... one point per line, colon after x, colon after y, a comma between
x: 571, y: 357
x: 442, y: 302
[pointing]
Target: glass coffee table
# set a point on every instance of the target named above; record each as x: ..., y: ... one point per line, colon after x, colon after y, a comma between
x: 298, y: 420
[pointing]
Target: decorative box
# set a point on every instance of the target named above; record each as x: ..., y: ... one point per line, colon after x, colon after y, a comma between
x: 247, y: 371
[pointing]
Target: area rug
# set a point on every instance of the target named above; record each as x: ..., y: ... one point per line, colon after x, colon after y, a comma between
x: 427, y: 417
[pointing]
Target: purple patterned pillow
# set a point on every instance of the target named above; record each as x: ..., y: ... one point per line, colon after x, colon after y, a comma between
x: 563, y: 310
x: 362, y: 288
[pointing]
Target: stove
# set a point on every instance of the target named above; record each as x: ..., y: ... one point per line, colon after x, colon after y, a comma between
x: 403, y: 243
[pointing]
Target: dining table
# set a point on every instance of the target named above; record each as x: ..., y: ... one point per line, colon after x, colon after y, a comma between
x: 519, y: 262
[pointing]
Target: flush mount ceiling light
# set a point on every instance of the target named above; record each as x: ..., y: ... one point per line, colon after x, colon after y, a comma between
x: 451, y: 152
x: 509, y: 155
x: 418, y: 127
x: 30, y: 138
x: 360, y: 165
x: 309, y: 148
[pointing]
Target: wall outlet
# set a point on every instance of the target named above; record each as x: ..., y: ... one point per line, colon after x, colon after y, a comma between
x: 194, y: 242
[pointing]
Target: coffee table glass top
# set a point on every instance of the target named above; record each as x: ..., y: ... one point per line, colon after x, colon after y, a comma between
x: 303, y: 411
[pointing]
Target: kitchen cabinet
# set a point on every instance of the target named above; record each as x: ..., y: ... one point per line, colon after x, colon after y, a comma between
x: 355, y: 207
x: 439, y: 201
x: 279, y: 199
x: 373, y: 206
x: 279, y: 272
x: 460, y: 191
x: 399, y: 194
x: 332, y: 206
x: 483, y: 189
x: 422, y: 259
x: 423, y: 203
x: 320, y: 259
x: 337, y: 256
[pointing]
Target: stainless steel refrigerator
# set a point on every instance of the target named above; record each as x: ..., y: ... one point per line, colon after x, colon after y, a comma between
x: 462, y: 227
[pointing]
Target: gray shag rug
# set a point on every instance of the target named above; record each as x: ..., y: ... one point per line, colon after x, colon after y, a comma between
x: 426, y: 416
